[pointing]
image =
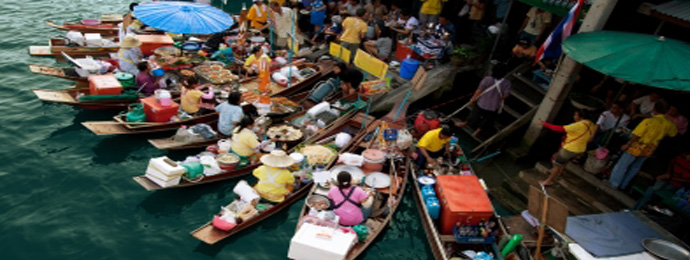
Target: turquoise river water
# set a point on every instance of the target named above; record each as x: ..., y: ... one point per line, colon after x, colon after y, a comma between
x: 68, y: 194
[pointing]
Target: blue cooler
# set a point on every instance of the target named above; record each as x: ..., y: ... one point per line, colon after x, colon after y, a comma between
x: 428, y: 191
x: 433, y: 207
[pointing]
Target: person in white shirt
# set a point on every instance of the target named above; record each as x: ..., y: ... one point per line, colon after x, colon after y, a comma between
x: 644, y: 106
x: 281, y: 19
x: 409, y: 23
x: 608, y: 120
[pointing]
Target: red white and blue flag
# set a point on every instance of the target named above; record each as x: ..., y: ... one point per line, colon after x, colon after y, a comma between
x: 551, y: 48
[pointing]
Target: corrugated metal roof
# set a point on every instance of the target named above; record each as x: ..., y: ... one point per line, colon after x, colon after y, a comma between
x: 678, y: 9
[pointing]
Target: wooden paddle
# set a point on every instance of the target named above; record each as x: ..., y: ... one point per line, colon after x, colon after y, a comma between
x: 544, y: 214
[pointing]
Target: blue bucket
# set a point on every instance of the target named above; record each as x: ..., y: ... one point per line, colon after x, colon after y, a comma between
x: 408, y: 68
x: 158, y: 72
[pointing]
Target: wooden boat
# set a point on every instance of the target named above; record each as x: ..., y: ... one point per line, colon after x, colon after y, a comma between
x: 211, y: 235
x: 56, y: 46
x: 70, y: 97
x: 398, y: 171
x: 104, y: 28
x: 445, y: 247
x: 68, y: 73
x: 120, y: 126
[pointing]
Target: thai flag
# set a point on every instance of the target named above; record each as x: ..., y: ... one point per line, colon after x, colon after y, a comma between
x: 551, y: 48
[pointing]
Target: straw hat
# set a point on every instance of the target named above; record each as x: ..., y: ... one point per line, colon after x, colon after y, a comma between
x: 129, y: 42
x: 278, y: 159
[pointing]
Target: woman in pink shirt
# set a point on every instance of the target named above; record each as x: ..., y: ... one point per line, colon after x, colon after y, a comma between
x: 680, y: 121
x: 347, y: 200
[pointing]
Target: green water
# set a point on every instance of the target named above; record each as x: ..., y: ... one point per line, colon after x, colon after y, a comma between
x: 68, y: 194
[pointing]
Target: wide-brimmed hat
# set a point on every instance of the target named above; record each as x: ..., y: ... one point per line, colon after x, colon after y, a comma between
x: 277, y: 158
x: 129, y: 42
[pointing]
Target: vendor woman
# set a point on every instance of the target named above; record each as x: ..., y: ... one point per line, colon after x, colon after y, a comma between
x: 244, y: 141
x: 347, y: 200
x: 275, y: 181
x: 192, y: 97
x: 433, y: 144
x: 252, y: 63
x: 230, y: 113
x: 129, y: 55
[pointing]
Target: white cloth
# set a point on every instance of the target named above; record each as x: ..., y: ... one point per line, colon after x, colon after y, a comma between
x: 644, y: 104
x: 283, y: 22
x: 607, y: 121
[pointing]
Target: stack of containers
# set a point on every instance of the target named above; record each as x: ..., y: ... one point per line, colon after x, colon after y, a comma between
x: 164, y: 172
x: 432, y: 204
x: 155, y: 112
x: 463, y: 200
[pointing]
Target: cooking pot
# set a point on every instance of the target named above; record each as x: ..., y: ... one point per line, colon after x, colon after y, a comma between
x: 373, y: 160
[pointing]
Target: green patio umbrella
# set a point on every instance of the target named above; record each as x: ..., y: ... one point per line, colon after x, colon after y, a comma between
x: 641, y: 58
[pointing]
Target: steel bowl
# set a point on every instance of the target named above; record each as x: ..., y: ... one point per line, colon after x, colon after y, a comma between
x: 665, y: 250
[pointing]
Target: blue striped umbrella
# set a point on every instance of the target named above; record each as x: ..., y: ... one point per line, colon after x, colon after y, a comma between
x: 183, y: 17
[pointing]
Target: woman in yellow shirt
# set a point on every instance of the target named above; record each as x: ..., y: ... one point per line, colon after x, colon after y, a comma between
x: 275, y: 181
x: 191, y: 97
x: 574, y: 144
x: 252, y: 63
x: 245, y: 143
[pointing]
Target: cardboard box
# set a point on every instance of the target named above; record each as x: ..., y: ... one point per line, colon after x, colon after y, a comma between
x: 312, y: 242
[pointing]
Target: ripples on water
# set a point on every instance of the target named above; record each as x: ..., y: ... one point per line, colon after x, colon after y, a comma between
x: 68, y: 194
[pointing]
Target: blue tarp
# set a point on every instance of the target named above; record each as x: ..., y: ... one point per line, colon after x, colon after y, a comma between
x: 609, y: 234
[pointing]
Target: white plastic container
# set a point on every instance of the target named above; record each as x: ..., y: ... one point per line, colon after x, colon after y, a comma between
x: 164, y: 97
x: 246, y: 192
x: 161, y: 165
x: 161, y: 179
x: 315, y: 110
x: 351, y: 159
x: 93, y: 39
x: 312, y: 242
x: 342, y: 139
x: 87, y: 67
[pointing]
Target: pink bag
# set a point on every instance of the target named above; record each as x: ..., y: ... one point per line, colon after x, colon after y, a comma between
x: 601, y: 153
x: 222, y: 224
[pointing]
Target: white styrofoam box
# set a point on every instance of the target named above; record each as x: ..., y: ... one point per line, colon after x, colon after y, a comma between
x: 163, y: 183
x: 76, y: 37
x: 315, y: 110
x: 93, y: 39
x: 165, y: 168
x: 89, y: 66
x: 307, y: 245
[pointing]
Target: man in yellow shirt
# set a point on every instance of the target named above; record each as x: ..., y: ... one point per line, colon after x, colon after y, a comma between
x: 430, y: 10
x: 646, y: 138
x: 275, y: 182
x: 433, y: 144
x: 354, y: 30
x: 577, y: 136
x: 258, y: 14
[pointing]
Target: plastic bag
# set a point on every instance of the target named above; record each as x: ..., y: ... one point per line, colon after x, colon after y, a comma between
x: 342, y: 139
x: 183, y: 135
x: 210, y: 165
x: 224, y: 145
x: 246, y: 192
x: 404, y: 139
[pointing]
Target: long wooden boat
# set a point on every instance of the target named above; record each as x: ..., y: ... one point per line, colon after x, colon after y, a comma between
x: 68, y: 73
x: 349, y: 121
x: 445, y: 247
x: 120, y: 126
x: 104, y: 28
x: 397, y: 170
x: 70, y: 97
x: 211, y: 235
x: 56, y: 46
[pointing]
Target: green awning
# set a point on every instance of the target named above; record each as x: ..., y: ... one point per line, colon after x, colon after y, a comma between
x: 641, y: 58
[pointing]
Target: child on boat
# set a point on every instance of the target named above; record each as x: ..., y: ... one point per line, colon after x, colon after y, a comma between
x: 230, y: 113
x: 348, y: 200
x: 275, y: 181
x: 192, y: 97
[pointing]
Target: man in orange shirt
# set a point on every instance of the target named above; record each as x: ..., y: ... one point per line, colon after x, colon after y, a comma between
x: 258, y: 14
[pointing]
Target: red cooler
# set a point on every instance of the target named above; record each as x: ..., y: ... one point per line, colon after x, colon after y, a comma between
x: 157, y: 113
x: 403, y: 50
x: 104, y: 85
x: 150, y: 43
x: 462, y: 200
